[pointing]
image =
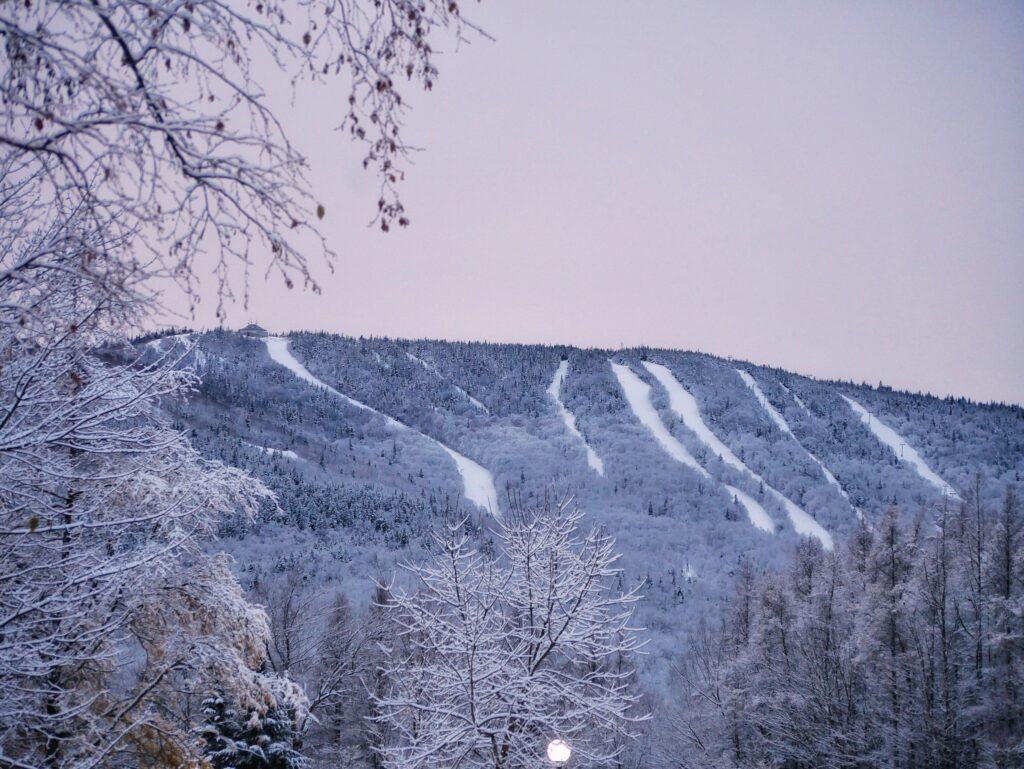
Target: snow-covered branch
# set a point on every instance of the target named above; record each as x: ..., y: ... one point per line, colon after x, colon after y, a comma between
x: 497, y: 655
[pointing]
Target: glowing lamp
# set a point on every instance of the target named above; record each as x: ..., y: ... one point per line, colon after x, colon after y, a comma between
x: 558, y: 752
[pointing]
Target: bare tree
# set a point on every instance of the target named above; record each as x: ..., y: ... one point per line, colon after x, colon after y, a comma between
x: 497, y: 655
x: 151, y: 115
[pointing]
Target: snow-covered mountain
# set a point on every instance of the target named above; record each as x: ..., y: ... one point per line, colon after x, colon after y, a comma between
x: 688, y: 459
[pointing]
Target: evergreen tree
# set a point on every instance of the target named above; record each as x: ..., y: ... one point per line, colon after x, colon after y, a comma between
x: 254, y: 739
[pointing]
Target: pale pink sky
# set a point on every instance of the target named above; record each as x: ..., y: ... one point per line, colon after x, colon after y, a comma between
x: 834, y: 188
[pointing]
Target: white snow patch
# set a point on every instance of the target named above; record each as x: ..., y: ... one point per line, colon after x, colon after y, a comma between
x: 286, y: 453
x: 380, y: 361
x: 174, y: 339
x: 796, y: 397
x: 685, y: 406
x: 783, y: 425
x: 158, y: 343
x: 198, y: 354
x: 776, y: 417
x: 755, y: 510
x: 477, y: 481
x: 899, y: 446
x: 433, y: 370
x: 555, y: 391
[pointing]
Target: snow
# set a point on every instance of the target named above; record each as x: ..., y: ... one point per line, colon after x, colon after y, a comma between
x: 477, y: 481
x: 783, y: 425
x: 685, y: 406
x: 158, y: 343
x: 198, y: 355
x: 277, y: 347
x: 900, y: 447
x: 796, y: 397
x: 638, y: 395
x: 429, y: 367
x: 555, y: 391
x: 286, y: 453
x: 755, y: 511
x: 639, y: 399
x: 776, y: 417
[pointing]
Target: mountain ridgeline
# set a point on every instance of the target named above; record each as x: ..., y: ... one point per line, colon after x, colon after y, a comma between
x: 688, y: 460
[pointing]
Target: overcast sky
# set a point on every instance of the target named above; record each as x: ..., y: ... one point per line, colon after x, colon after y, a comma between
x: 834, y: 188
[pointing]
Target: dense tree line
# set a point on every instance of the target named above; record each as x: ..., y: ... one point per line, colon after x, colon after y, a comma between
x: 902, y: 649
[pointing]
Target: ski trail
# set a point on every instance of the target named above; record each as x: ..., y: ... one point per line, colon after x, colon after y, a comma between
x: 776, y: 417
x: 430, y: 367
x: 286, y: 453
x: 199, y: 357
x: 755, y: 511
x: 555, y: 391
x: 782, y: 424
x: 158, y: 343
x: 477, y: 481
x: 277, y: 347
x: 899, y: 446
x: 638, y: 395
x: 685, y: 406
x: 796, y: 397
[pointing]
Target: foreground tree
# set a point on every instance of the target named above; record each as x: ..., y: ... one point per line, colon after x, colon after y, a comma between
x: 262, y: 736
x: 135, y: 140
x: 108, y: 608
x: 496, y: 655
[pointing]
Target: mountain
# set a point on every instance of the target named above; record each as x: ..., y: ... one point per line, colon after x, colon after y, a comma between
x: 689, y: 460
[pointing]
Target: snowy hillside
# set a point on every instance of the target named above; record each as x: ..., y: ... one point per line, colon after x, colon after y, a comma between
x: 687, y: 459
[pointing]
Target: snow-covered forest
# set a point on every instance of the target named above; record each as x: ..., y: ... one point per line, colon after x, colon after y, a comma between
x: 903, y: 648
x: 362, y: 486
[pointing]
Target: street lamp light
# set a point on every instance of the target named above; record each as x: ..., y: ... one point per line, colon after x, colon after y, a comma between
x: 559, y: 752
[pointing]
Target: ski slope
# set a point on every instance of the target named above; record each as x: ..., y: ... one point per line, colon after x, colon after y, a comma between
x: 277, y: 347
x: 188, y: 346
x: 783, y: 425
x: 755, y: 510
x: 158, y: 343
x: 429, y: 367
x: 796, y: 397
x: 899, y: 446
x: 776, y: 417
x: 686, y: 408
x: 477, y: 481
x: 555, y: 391
x: 286, y: 453
x: 638, y: 396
